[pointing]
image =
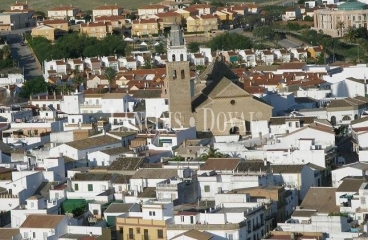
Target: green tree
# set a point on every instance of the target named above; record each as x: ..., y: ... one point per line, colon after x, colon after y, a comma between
x: 160, y: 49
x: 273, y: 12
x: 212, y: 153
x: 40, y: 15
x: 277, y: 39
x: 178, y: 158
x: 193, y: 47
x: 217, y: 3
x: 34, y: 86
x: 229, y: 41
x: 110, y: 74
x: 351, y: 35
x: 79, y: 79
x: 308, y: 18
x: 128, y: 50
x: 264, y: 32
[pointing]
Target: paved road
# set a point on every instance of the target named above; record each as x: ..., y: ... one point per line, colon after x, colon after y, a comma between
x: 22, y: 54
x: 286, y: 43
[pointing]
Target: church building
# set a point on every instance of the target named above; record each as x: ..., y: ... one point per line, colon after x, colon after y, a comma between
x: 220, y: 106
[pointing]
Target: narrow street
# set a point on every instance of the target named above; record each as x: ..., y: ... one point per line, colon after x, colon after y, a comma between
x: 22, y: 55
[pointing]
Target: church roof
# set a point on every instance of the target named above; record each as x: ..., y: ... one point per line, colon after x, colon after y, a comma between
x: 216, y: 71
x: 218, y: 89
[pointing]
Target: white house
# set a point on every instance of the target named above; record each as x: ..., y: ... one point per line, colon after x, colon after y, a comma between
x: 11, y: 78
x: 89, y: 185
x: 326, y: 136
x: 117, y: 103
x: 291, y: 13
x: 282, y: 55
x: 107, y: 156
x: 155, y: 105
x: 62, y: 12
x: 300, y: 54
x: 301, y: 177
x: 44, y: 226
x: 289, y: 124
x: 80, y: 148
x: 144, y: 178
x: 234, y: 220
x: 358, y: 169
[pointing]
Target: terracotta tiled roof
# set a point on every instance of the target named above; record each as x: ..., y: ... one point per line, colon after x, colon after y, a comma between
x: 144, y: 21
x: 92, y: 142
x: 220, y: 164
x: 42, y: 221
x: 313, y: 200
x: 153, y: 6
x: 54, y: 21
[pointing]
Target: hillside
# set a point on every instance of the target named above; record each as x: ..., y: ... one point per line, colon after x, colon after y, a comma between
x: 44, y: 5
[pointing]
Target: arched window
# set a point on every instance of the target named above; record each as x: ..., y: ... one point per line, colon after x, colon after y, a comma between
x: 346, y: 118
x: 181, y: 57
x: 173, y: 57
x: 165, y: 91
x: 356, y: 116
x: 234, y: 130
x: 182, y: 73
x: 174, y: 74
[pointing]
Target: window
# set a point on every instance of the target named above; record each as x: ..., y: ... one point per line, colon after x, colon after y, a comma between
x: 131, y: 234
x: 206, y: 188
x: 362, y: 200
x: 290, y: 124
x: 145, y: 234
x: 138, y: 230
x: 182, y: 218
x: 90, y: 187
x: 25, y: 235
x: 297, y: 124
x: 34, y: 234
x: 182, y: 73
x: 152, y: 213
x: 95, y: 212
x: 76, y: 187
x: 160, y: 233
x: 229, y: 236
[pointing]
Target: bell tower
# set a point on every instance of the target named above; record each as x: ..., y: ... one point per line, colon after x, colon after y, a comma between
x: 177, y: 83
x: 176, y: 46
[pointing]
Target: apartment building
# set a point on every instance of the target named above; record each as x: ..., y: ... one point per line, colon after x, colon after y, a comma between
x: 349, y: 14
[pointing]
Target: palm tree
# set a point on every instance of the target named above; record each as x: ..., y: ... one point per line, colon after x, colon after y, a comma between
x: 78, y: 79
x: 212, y: 153
x: 110, y: 74
x: 6, y: 51
x: 339, y: 26
x: 350, y: 35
